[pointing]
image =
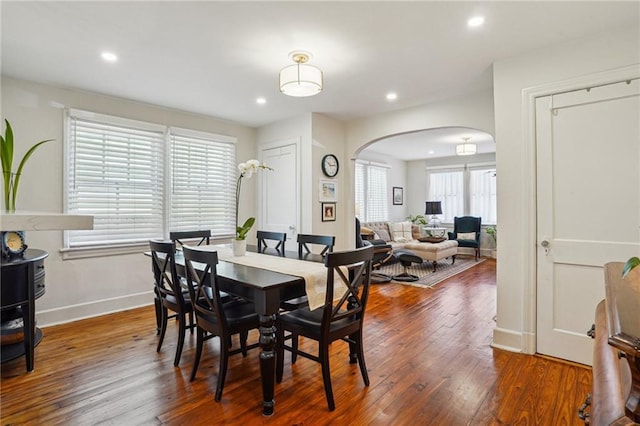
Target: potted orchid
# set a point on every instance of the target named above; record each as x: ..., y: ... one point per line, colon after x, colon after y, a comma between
x: 246, y: 171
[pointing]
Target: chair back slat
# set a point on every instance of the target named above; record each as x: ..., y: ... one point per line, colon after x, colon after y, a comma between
x: 200, y: 237
x: 166, y: 277
x: 327, y: 241
x: 202, y: 281
x: 357, y: 280
x: 265, y: 236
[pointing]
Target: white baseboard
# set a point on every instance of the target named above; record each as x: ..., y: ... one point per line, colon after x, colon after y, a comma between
x: 93, y: 309
x: 508, y: 340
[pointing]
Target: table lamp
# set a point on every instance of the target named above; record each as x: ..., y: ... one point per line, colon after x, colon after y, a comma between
x: 433, y: 208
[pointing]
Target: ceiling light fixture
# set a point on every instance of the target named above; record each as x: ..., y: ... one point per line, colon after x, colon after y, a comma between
x: 476, y: 21
x: 300, y: 79
x: 109, y: 57
x: 392, y: 96
x: 466, y: 148
x: 261, y: 101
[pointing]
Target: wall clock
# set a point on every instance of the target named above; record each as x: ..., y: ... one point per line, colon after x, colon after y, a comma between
x: 13, y: 243
x: 330, y: 165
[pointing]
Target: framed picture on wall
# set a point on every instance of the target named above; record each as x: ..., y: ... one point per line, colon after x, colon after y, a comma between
x: 328, y: 191
x: 328, y: 212
x: 397, y: 196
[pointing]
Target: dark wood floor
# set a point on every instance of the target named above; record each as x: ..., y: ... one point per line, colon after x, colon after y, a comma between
x: 427, y: 351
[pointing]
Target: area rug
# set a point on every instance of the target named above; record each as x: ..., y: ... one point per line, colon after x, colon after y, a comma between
x: 428, y: 278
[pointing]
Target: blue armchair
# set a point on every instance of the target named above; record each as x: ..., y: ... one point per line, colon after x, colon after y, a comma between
x: 467, y: 225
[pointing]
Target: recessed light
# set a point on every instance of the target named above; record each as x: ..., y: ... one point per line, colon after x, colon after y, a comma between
x: 476, y: 21
x: 392, y: 96
x: 431, y: 152
x: 261, y: 101
x: 109, y: 57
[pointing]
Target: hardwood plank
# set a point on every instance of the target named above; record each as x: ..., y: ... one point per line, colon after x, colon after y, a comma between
x: 427, y: 352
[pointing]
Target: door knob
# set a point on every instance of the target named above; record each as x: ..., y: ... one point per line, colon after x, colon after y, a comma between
x: 545, y: 245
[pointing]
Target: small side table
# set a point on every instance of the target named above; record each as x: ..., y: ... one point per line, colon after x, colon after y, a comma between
x: 22, y: 283
x: 435, y: 232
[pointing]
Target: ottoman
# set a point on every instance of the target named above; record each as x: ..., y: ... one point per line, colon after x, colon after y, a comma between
x: 434, y: 251
x: 406, y: 258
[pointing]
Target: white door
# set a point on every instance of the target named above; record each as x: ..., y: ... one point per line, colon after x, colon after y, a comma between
x: 588, y: 207
x: 280, y: 193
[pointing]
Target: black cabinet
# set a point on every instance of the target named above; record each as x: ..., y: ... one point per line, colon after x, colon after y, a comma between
x: 22, y: 282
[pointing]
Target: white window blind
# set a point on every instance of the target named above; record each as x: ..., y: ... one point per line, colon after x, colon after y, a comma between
x: 114, y: 172
x: 483, y: 197
x: 372, y: 197
x: 141, y: 180
x: 448, y: 188
x: 203, y: 179
x: 465, y: 191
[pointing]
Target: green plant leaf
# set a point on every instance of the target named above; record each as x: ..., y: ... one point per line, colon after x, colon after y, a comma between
x: 631, y: 263
x: 19, y: 171
x: 241, y: 231
x: 6, y: 152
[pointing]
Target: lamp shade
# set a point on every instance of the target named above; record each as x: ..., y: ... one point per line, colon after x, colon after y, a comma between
x: 466, y: 149
x: 433, y: 207
x: 300, y: 79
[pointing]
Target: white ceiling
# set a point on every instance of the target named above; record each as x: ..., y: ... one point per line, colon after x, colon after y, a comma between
x: 432, y: 143
x: 216, y: 58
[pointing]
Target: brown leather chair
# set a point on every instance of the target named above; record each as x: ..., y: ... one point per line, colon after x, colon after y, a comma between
x: 383, y: 253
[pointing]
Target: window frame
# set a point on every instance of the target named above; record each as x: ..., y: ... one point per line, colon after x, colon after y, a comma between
x: 73, y: 251
x: 466, y: 169
x: 364, y: 213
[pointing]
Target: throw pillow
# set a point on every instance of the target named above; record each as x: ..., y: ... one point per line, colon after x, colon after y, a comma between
x: 365, y: 231
x: 382, y: 235
x: 401, y: 231
x: 466, y: 235
x: 416, y: 232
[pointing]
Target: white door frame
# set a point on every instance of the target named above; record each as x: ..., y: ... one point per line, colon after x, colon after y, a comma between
x: 529, y: 240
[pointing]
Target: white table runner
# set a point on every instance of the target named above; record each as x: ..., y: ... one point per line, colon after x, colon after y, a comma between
x: 313, y: 273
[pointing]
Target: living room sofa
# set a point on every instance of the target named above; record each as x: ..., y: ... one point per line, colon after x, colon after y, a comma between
x: 405, y: 235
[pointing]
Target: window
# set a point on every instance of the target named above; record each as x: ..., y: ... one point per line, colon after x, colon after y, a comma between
x: 464, y: 191
x: 140, y: 180
x: 203, y: 179
x: 372, y: 199
x: 482, y: 194
x: 447, y: 187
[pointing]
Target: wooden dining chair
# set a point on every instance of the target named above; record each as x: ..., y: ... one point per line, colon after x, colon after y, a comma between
x: 279, y: 237
x: 172, y: 296
x: 304, y: 240
x: 340, y: 319
x: 213, y: 317
x: 179, y: 238
x: 194, y: 238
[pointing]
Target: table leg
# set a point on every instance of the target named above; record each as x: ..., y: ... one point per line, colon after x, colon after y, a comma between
x: 267, y: 361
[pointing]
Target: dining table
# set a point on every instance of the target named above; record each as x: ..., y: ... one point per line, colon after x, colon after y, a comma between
x: 266, y: 288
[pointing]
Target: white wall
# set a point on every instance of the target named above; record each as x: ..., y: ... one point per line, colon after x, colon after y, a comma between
x: 318, y: 135
x: 328, y: 138
x: 87, y: 287
x: 516, y: 168
x: 474, y: 110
